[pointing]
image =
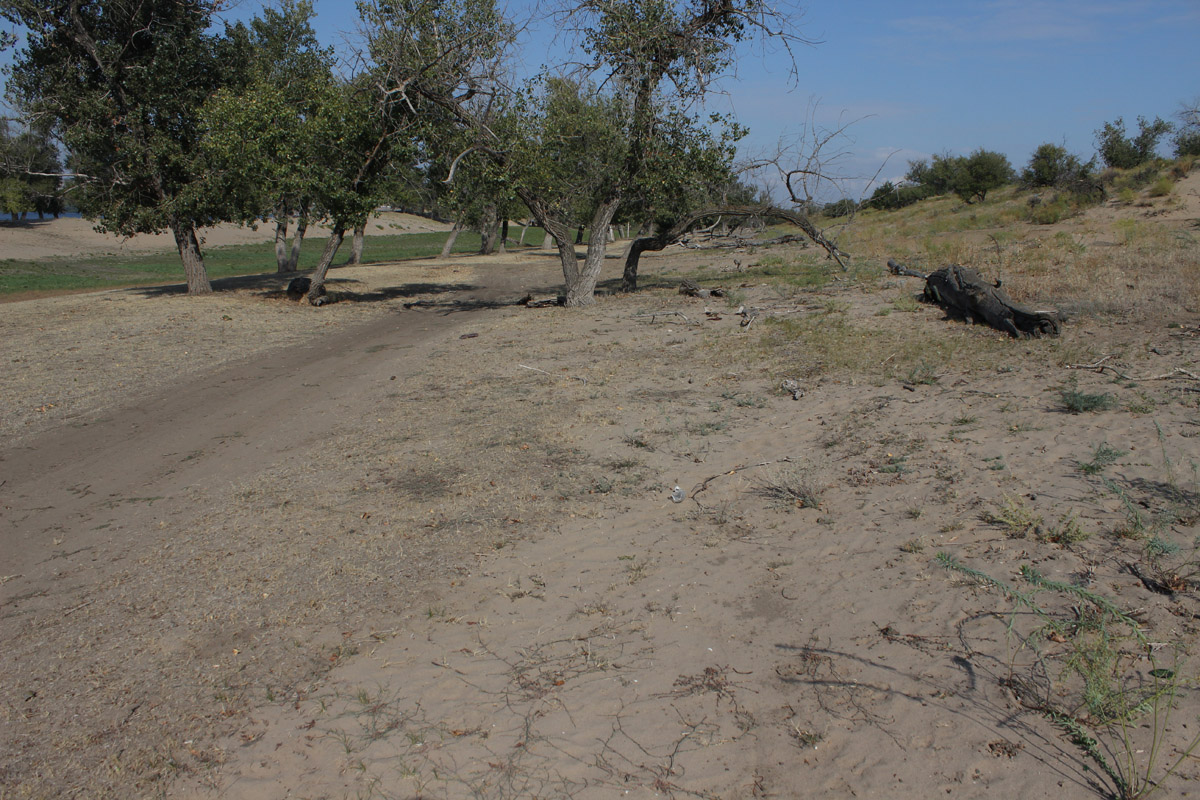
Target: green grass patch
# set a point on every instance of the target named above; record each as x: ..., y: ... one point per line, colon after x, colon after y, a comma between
x: 106, y: 272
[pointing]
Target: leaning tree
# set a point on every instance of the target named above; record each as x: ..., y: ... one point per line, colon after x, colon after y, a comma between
x: 122, y: 83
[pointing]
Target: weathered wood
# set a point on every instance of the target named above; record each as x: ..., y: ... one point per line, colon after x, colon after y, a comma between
x: 964, y: 294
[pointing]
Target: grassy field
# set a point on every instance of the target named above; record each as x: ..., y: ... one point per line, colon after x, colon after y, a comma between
x: 45, y: 276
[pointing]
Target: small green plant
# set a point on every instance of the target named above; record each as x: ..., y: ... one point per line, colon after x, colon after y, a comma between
x: 1068, y: 530
x: 1104, y: 456
x: 1098, y: 695
x: 1078, y: 402
x: 1018, y: 520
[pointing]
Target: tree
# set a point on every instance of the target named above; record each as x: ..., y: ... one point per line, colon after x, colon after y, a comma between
x: 1052, y: 165
x: 1117, y: 150
x: 970, y: 177
x: 979, y: 173
x: 260, y: 142
x: 122, y: 83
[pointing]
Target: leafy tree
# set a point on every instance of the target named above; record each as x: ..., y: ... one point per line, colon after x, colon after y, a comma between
x: 1119, y: 151
x: 261, y: 143
x: 1052, y: 165
x: 970, y: 177
x: 122, y: 83
x: 979, y: 173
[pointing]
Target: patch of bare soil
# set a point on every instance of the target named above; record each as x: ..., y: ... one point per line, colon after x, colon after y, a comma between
x: 426, y: 546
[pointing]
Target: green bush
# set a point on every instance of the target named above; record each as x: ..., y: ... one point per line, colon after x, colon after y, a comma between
x: 842, y: 208
x: 1118, y: 150
x: 970, y: 177
x: 890, y: 197
x: 1052, y: 165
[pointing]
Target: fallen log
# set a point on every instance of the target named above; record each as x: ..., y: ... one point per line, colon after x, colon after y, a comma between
x: 964, y: 295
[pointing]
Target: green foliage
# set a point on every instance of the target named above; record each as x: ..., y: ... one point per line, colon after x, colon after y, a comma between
x: 969, y: 177
x: 840, y: 208
x: 29, y: 165
x: 1052, y: 165
x: 891, y: 197
x: 1122, y: 152
x: 124, y: 83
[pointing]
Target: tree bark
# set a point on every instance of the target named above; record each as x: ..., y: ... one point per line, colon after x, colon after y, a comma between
x: 547, y: 239
x: 316, y: 292
x: 581, y: 285
x: 189, y: 253
x: 297, y: 240
x: 524, y: 229
x: 282, y: 262
x: 488, y: 227
x: 356, y: 245
x: 449, y: 245
x: 502, y: 247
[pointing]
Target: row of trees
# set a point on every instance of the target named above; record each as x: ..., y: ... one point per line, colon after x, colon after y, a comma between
x: 1051, y: 165
x: 169, y: 124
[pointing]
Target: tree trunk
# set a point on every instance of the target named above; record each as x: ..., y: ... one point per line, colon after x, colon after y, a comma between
x: 356, y: 245
x: 316, y: 291
x: 297, y: 240
x: 449, y: 245
x: 524, y: 229
x: 579, y: 235
x: 282, y: 263
x: 488, y: 227
x: 193, y: 261
x: 581, y: 285
x: 549, y: 237
x: 503, y: 236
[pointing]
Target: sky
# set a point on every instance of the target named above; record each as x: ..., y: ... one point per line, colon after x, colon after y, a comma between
x: 908, y: 80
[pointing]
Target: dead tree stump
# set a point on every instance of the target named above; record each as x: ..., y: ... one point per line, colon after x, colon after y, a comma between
x: 964, y: 295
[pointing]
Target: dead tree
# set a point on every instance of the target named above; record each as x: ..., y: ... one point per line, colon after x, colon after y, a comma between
x: 964, y: 295
x: 669, y: 236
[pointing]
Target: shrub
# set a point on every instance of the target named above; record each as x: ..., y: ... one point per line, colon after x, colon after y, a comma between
x: 1052, y: 165
x: 841, y: 208
x: 1118, y: 150
x: 891, y: 197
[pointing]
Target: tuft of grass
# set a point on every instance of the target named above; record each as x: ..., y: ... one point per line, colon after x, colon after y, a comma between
x: 1078, y: 402
x: 791, y: 488
x: 1018, y: 519
x: 1104, y: 456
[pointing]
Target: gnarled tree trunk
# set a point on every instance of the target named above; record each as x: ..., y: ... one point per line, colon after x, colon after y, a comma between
x: 316, y: 293
x: 189, y: 253
x: 450, y: 240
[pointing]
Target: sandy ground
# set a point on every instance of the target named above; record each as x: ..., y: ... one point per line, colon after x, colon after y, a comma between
x: 48, y: 238
x: 424, y: 545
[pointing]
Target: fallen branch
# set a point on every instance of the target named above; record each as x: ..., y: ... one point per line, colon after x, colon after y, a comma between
x: 1098, y: 366
x: 551, y: 374
x: 656, y: 314
x: 703, y: 485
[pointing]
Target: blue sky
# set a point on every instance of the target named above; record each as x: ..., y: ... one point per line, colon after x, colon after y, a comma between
x: 918, y: 78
